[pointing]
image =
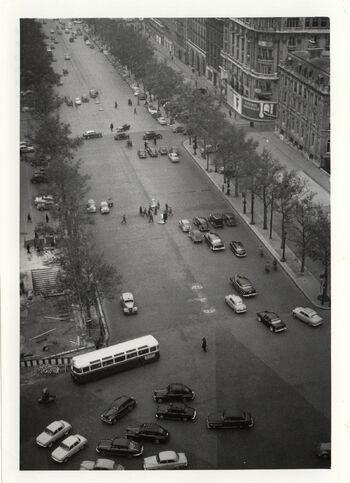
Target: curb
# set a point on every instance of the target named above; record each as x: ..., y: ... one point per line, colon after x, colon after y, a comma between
x: 103, y: 321
x: 268, y: 247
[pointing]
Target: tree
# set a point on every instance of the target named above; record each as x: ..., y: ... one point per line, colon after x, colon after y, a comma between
x: 161, y: 80
x: 251, y: 167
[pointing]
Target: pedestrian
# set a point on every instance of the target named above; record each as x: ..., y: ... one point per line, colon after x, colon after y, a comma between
x: 230, y: 113
x: 223, y: 188
x: 111, y: 126
x: 116, y: 105
x: 158, y: 205
x: 166, y: 207
x: 149, y: 211
x: 28, y: 249
x: 204, y: 344
x: 155, y: 141
x: 170, y: 211
x: 155, y: 210
x: 36, y: 234
x: 29, y: 218
x: 146, y: 144
x: 135, y: 111
x: 144, y: 212
x: 165, y: 216
x: 150, y: 220
x: 21, y: 287
x: 47, y: 218
x: 235, y: 115
x: 123, y: 220
x: 140, y: 210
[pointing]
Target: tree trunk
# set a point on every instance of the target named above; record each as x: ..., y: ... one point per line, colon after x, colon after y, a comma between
x: 282, y: 237
x: 252, y: 222
x: 325, y: 280
x: 271, y: 217
x: 236, y: 187
x: 303, y: 252
x: 265, y: 209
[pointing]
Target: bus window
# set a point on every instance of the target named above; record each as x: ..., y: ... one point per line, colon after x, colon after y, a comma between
x: 96, y: 366
x: 85, y: 369
x: 107, y: 362
x: 119, y: 357
x: 131, y: 354
x: 143, y: 351
x: 152, y: 349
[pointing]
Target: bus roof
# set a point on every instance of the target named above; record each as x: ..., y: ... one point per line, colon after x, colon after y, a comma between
x: 84, y: 359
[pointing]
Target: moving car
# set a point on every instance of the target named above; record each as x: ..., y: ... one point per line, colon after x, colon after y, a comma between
x: 179, y: 129
x: 201, y: 223
x: 174, y: 392
x: 119, y: 408
x: 214, y: 241
x: 104, y: 208
x: 235, y: 303
x: 166, y: 460
x: 100, y: 464
x: 162, y: 121
x: 307, y: 315
x: 152, y: 151
x: 93, y: 93
x: 230, y: 219
x: 243, y: 285
x: 77, y: 101
x: 150, y: 135
x: 178, y: 411
x: 196, y: 236
x: 238, y: 249
x: 142, y: 153
x: 271, y: 320
x: 185, y: 225
x: 174, y: 157
x: 121, y: 135
x: 152, y: 432
x: 163, y: 150
x: 68, y: 448
x: 152, y: 109
x: 92, y: 134
x: 174, y: 149
x: 128, y: 303
x: 91, y: 206
x: 216, y: 220
x: 53, y: 432
x: 230, y: 419
x: 119, y: 446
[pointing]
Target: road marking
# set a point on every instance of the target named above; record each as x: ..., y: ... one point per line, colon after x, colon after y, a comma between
x: 202, y: 299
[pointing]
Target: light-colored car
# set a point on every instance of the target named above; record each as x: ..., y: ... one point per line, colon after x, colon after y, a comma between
x: 91, y: 206
x: 185, y: 225
x: 53, y: 432
x: 77, y: 101
x: 166, y: 460
x: 91, y: 134
x: 100, y: 464
x: 174, y: 157
x: 162, y: 121
x: 128, y: 303
x: 307, y: 315
x: 68, y: 448
x: 152, y: 109
x: 104, y: 208
x: 67, y: 57
x: 26, y: 147
x: 236, y: 303
x: 87, y: 42
x: 196, y: 235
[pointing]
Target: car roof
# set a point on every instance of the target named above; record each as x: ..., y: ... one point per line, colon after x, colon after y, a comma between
x: 89, y: 131
x: 71, y: 439
x: 127, y: 296
x: 185, y: 221
x: 55, y: 425
x: 233, y: 413
x: 308, y: 310
x: 120, y: 400
x: 234, y: 297
x: 120, y: 441
x: 167, y: 455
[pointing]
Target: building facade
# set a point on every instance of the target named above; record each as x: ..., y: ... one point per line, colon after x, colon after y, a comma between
x: 304, y: 104
x: 215, y: 35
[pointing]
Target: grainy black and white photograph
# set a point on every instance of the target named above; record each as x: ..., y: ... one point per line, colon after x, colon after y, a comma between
x: 175, y: 289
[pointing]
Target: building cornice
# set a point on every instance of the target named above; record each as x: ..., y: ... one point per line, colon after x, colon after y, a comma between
x: 248, y: 71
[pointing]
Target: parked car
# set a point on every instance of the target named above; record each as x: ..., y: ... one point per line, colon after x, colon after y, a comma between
x: 178, y: 129
x: 152, y: 109
x: 243, y: 285
x: 67, y: 57
x: 39, y: 178
x: 152, y: 151
x: 230, y: 219
x: 26, y: 147
x: 162, y: 121
x: 177, y: 411
x: 85, y: 99
x: 119, y: 408
x: 128, y: 303
x: 166, y: 460
x: 307, y: 315
x: 174, y: 157
x: 196, y: 236
x: 185, y: 225
x: 214, y: 241
x: 100, y: 464
x: 93, y: 93
x: 324, y: 451
x: 271, y: 320
x: 104, y: 208
x: 119, y: 446
x: 142, y: 153
x: 174, y: 392
x: 174, y: 149
x: 230, y: 419
x: 91, y: 206
x: 150, y: 135
x: 53, y: 432
x: 119, y: 136
x: 235, y: 303
x: 68, y: 448
x: 77, y: 101
x: 201, y: 223
x: 216, y: 220
x: 92, y: 134
x: 148, y: 432
x: 163, y: 150
x: 238, y: 249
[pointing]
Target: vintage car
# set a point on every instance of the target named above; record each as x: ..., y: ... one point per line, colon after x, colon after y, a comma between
x: 235, y: 303
x: 271, y: 320
x: 243, y: 285
x: 128, y: 303
x: 92, y: 134
x: 230, y: 419
x: 53, y: 432
x: 119, y: 446
x: 174, y: 392
x: 119, y: 408
x: 68, y: 448
x: 166, y: 460
x: 152, y: 432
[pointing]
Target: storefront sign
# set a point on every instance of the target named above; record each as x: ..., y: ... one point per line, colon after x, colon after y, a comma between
x: 251, y: 109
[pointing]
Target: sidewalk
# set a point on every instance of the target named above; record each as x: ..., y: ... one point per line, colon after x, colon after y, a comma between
x: 306, y: 282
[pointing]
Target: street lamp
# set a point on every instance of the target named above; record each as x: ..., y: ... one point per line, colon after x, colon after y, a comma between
x: 244, y: 203
x: 284, y: 236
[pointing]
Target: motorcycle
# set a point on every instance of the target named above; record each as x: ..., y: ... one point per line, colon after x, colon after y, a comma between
x: 47, y: 400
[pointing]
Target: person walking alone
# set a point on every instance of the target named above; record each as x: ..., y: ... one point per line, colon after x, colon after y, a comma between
x: 29, y: 218
x: 111, y: 126
x: 123, y: 222
x: 165, y: 216
x: 141, y: 210
x: 204, y: 344
x: 144, y: 212
x: 150, y: 219
x: 230, y: 113
x: 47, y: 218
x: 135, y: 110
x: 155, y: 141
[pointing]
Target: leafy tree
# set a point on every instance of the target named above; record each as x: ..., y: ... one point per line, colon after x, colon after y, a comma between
x: 251, y: 167
x: 161, y: 80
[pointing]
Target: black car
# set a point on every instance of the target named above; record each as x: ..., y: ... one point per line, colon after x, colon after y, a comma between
x: 271, y: 320
x: 174, y: 392
x: 119, y: 446
x: 119, y: 407
x: 163, y: 150
x: 243, y: 286
x: 231, y: 418
x: 238, y: 248
x: 216, y: 220
x: 152, y: 151
x: 149, y: 135
x: 179, y: 129
x: 148, y: 432
x: 39, y: 178
x: 142, y: 96
x: 230, y: 219
x: 121, y: 135
x: 176, y: 411
x: 92, y: 134
x: 142, y: 153
x: 201, y: 223
x: 93, y: 93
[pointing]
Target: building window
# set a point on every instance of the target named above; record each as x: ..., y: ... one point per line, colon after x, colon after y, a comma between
x: 324, y: 22
x: 328, y: 147
x: 307, y: 22
x: 291, y: 42
x: 293, y: 22
x: 315, y: 22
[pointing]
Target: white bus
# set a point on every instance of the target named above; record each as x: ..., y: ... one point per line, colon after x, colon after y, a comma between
x: 115, y: 358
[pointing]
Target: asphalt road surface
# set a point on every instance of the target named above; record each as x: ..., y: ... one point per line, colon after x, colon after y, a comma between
x: 283, y: 379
